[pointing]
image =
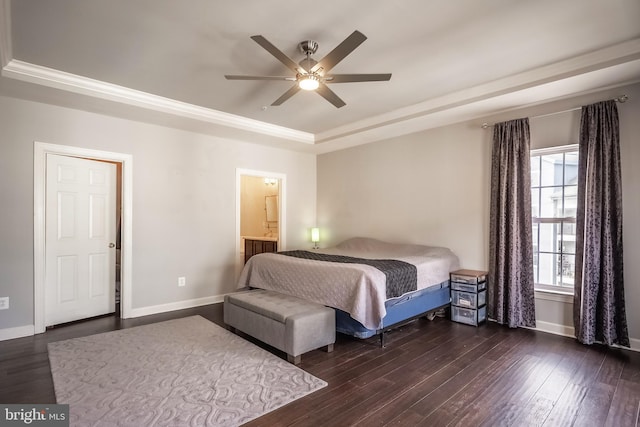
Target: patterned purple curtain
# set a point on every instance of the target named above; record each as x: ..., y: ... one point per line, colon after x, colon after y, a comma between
x: 511, y: 294
x: 599, y: 307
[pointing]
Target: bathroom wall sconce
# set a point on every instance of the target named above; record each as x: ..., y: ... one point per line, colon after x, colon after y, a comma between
x: 270, y: 181
x: 315, y: 237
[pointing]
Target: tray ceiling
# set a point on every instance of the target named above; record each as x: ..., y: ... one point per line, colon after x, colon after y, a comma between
x: 451, y: 61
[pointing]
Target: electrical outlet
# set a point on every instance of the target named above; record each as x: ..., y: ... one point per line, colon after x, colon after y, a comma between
x: 4, y: 303
x: 182, y: 281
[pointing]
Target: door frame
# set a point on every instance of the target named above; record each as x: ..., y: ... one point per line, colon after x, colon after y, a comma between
x: 282, y: 206
x: 40, y: 152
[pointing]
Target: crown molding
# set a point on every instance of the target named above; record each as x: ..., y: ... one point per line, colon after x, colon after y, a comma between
x: 57, y: 79
x: 5, y: 33
x: 621, y: 53
x: 560, y: 79
x: 505, y: 107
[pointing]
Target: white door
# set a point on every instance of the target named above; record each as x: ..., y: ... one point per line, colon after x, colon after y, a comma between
x: 79, y: 239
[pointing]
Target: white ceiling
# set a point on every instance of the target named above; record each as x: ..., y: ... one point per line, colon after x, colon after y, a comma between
x: 451, y: 60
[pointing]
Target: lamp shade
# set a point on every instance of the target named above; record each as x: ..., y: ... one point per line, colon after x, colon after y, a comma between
x: 315, y: 235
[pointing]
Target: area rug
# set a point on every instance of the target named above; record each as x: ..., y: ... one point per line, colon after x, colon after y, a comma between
x: 183, y: 372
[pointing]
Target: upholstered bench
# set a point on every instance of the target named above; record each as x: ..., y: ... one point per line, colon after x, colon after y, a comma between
x: 290, y: 324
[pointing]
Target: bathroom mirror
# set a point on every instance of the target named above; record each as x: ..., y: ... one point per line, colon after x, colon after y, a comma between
x: 271, y: 208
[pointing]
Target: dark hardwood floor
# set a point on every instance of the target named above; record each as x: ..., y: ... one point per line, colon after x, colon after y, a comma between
x: 432, y: 373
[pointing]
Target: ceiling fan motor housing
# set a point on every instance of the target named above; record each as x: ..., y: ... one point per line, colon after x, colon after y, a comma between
x: 308, y: 47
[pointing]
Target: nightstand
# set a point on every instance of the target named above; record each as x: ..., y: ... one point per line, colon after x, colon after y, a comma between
x: 469, y: 296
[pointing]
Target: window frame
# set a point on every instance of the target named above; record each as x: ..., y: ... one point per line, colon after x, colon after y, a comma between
x: 541, y: 287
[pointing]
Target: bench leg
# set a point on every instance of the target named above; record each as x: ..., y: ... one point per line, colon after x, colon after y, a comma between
x: 294, y: 359
x: 329, y: 348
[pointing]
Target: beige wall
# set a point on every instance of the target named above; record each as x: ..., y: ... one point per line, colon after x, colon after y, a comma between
x: 433, y: 188
x: 184, y: 209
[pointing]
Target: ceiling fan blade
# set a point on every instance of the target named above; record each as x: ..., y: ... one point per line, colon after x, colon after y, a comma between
x: 330, y: 96
x: 280, y: 56
x: 349, y: 78
x: 235, y: 77
x: 339, y: 53
x: 288, y: 94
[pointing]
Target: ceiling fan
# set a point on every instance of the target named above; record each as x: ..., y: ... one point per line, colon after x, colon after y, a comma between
x: 311, y: 74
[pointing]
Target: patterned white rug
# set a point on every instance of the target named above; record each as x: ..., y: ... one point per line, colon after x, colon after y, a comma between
x: 183, y: 372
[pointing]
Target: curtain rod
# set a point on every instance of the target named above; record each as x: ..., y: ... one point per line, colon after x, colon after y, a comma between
x: 621, y: 99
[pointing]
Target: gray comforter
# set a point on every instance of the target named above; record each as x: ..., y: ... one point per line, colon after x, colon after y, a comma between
x: 358, y: 289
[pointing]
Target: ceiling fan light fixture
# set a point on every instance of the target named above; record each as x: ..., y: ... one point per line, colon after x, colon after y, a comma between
x: 309, y: 82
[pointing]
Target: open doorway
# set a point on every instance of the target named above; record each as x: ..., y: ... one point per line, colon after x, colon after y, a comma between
x: 260, y: 213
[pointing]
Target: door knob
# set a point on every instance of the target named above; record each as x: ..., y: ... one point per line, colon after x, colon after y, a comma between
x: 112, y: 245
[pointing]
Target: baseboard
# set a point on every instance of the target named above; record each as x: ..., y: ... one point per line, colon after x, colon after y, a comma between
x: 555, y: 328
x: 29, y: 330
x: 173, y: 306
x: 19, y: 332
x: 569, y: 331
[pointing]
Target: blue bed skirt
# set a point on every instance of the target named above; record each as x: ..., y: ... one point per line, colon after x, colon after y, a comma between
x: 408, y: 306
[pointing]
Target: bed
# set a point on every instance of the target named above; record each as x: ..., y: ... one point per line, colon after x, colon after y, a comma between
x: 373, y: 285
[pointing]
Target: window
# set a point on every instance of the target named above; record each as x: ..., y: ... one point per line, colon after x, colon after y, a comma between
x: 554, y: 197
